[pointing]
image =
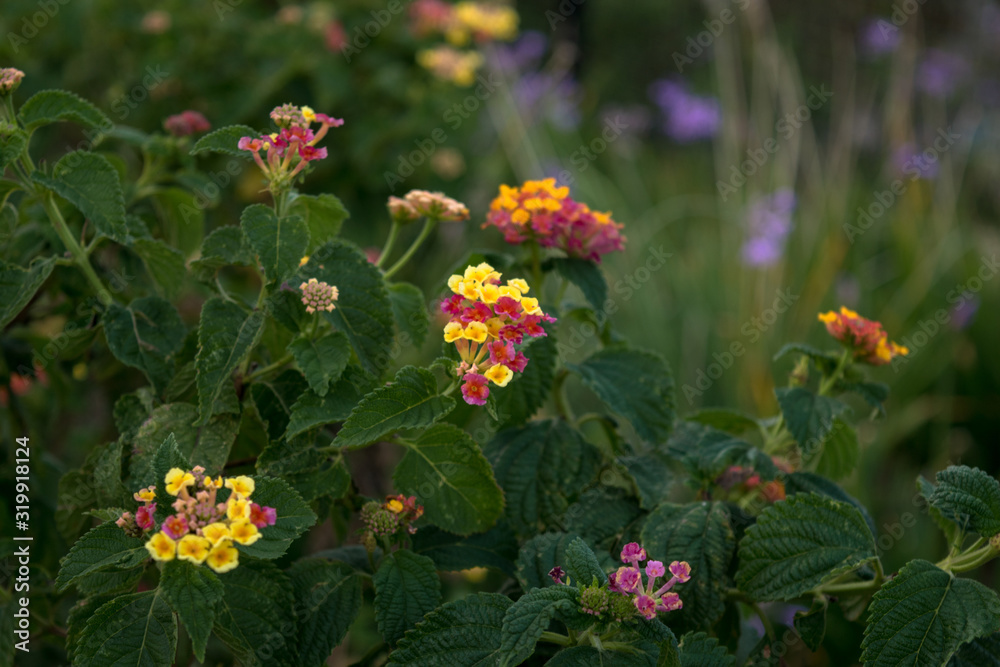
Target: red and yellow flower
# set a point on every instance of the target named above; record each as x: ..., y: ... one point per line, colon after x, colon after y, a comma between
x: 866, y: 338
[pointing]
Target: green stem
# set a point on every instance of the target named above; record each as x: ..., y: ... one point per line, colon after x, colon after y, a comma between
x: 737, y: 594
x: 554, y: 638
x: 559, y: 395
x: 424, y: 233
x: 853, y: 587
x: 79, y: 256
x: 270, y: 367
x: 969, y: 559
x: 451, y: 389
x: 827, y: 384
x: 390, y: 241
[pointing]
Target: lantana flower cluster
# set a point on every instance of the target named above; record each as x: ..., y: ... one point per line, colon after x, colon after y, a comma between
x: 625, y: 594
x: 745, y: 480
x: 866, y: 338
x: 386, y: 519
x: 201, y: 530
x: 544, y: 212
x: 487, y: 320
x: 10, y: 80
x: 418, y: 204
x: 317, y: 296
x: 293, y: 146
x: 186, y: 123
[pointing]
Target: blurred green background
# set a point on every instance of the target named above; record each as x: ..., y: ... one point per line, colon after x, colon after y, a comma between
x: 805, y: 155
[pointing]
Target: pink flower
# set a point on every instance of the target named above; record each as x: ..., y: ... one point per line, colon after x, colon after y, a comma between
x: 681, y: 571
x: 475, y: 390
x: 250, y: 144
x: 144, y: 517
x: 310, y: 153
x: 329, y: 120
x: 633, y: 553
x: 670, y: 602
x: 508, y: 306
x: 654, y: 569
x: 502, y: 353
x: 557, y: 574
x: 175, y: 526
x: 262, y: 516
x: 628, y: 579
x: 646, y: 606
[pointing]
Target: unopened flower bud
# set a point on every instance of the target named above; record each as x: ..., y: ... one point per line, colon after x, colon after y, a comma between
x: 10, y: 79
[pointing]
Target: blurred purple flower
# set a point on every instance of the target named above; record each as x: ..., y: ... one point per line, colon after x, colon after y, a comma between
x: 769, y: 221
x: 540, y: 93
x: 848, y: 289
x: 688, y: 117
x: 915, y: 164
x: 879, y: 36
x: 940, y: 72
x: 964, y: 313
x: 526, y: 52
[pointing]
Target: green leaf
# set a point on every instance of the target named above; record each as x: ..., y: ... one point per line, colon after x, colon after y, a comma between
x: 811, y: 624
x: 516, y: 403
x: 327, y: 599
x: 207, y: 445
x: 256, y: 618
x: 982, y: 652
x: 807, y: 482
x: 167, y: 456
x: 310, y: 410
x: 526, y: 620
x: 699, y: 533
x: 165, y: 264
x: 137, y: 629
x: 274, y: 399
x: 194, y: 592
x: 410, y: 312
x: 825, y: 361
x: 294, y: 517
x: 464, y: 632
x: 539, y: 555
x: 947, y: 524
x: 226, y: 335
x: 724, y: 419
x: 970, y: 498
x: 496, y: 548
x: 799, y: 543
x: 322, y: 360
x: 18, y: 286
x: 105, y: 547
x: 411, y: 400
x: 182, y: 215
x: 323, y: 215
x: 447, y: 471
x: 54, y: 106
x: 279, y: 243
x: 582, y: 565
x: 584, y: 274
x: 810, y: 417
x: 541, y: 467
x: 923, y: 615
x: 406, y: 588
x: 602, y: 516
x: 875, y: 394
x: 309, y: 471
x: 226, y: 246
x: 651, y: 477
x: 707, y: 452
x: 699, y: 650
x: 11, y: 147
x: 838, y: 454
x: 146, y: 335
x: 91, y: 184
x: 364, y: 311
x: 588, y: 656
x: 225, y: 140
x: 635, y: 384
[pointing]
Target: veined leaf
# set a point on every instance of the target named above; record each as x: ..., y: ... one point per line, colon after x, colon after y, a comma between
x: 327, y: 597
x: 225, y: 140
x: 635, y: 384
x: 206, y: 445
x: 145, y: 336
x: 165, y: 264
x: 225, y: 336
x: 294, y: 517
x: 516, y: 403
x: 970, y: 498
x: 91, y: 184
x: 411, y: 400
x: 310, y: 410
x: 279, y: 243
x: 810, y: 417
x: 136, y: 629
x: 982, y: 652
x: 799, y: 543
x: 526, y: 620
x: 256, y: 617
x: 582, y: 565
x: 194, y: 592
x: 923, y: 615
x: 54, y: 106
x: 323, y: 214
x: 838, y: 455
x: 104, y: 547
x: 322, y: 360
x: 410, y: 311
x: 707, y: 452
x: 697, y: 649
x: 539, y: 555
x: 406, y: 588
x: 464, y: 632
x: 496, y: 548
x: 18, y: 286
x: 586, y: 275
x: 226, y: 246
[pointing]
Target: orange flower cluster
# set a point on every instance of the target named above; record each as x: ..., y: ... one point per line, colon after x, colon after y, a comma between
x: 867, y: 338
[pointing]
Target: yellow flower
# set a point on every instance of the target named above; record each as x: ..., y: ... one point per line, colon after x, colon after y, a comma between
x: 499, y: 375
x: 242, y: 485
x: 512, y: 292
x: 146, y: 495
x: 238, y: 508
x: 223, y: 557
x: 193, y: 548
x: 217, y: 483
x: 304, y: 260
x: 469, y: 289
x: 476, y: 332
x: 308, y: 114
x: 244, y: 532
x: 520, y: 216
x: 455, y: 283
x: 216, y: 532
x: 489, y: 293
x: 493, y: 326
x: 520, y: 284
x: 394, y: 506
x: 161, y: 547
x: 177, y: 479
x: 530, y: 305
x: 452, y: 332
